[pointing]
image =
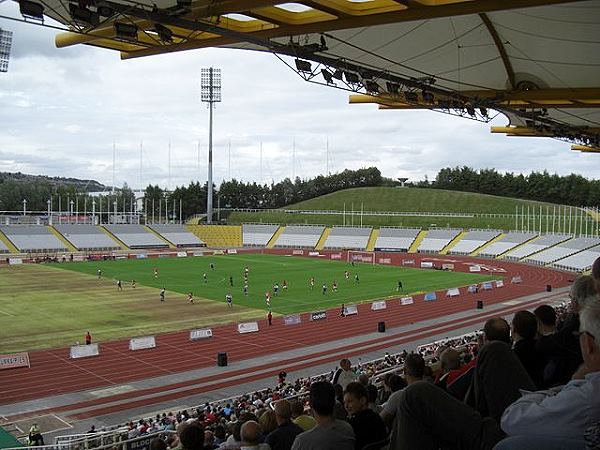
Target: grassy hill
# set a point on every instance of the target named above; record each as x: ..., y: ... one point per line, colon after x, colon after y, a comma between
x: 385, y: 199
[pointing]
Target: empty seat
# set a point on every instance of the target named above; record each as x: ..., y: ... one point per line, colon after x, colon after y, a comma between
x: 399, y: 239
x: 178, y: 235
x: 436, y: 240
x: 256, y: 234
x: 300, y: 236
x: 33, y: 238
x: 543, y: 242
x: 87, y: 237
x: 348, y: 237
x: 472, y: 240
x: 510, y: 240
x: 136, y: 236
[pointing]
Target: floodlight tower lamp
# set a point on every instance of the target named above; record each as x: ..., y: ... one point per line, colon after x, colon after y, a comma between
x: 31, y: 10
x: 5, y: 46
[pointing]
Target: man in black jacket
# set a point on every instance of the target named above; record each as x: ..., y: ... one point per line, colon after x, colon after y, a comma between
x: 283, y: 436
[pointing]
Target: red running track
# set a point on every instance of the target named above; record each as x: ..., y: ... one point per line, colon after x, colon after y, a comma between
x: 52, y: 372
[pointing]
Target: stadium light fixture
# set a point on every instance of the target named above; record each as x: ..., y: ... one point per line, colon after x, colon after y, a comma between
x: 31, y: 10
x: 303, y: 66
x: 127, y: 31
x: 327, y: 75
x: 84, y: 16
x: 164, y: 33
x: 351, y: 77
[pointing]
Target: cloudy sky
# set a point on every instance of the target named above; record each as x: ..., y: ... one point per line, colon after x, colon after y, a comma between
x: 61, y: 110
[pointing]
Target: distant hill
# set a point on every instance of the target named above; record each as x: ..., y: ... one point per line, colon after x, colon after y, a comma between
x: 77, y: 184
x: 488, y: 211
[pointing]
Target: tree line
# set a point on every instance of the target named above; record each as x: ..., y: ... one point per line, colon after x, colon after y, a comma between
x: 572, y: 189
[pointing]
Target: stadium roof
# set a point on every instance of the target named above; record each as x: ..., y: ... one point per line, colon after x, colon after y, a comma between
x: 537, y: 62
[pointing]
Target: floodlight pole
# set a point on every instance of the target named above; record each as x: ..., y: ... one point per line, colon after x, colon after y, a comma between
x: 210, y: 83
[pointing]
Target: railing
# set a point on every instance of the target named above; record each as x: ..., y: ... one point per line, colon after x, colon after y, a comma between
x: 111, y: 440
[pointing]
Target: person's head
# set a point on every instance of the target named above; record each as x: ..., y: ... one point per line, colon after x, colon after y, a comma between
x: 283, y: 411
x: 496, y: 329
x: 546, y: 319
x: 589, y: 339
x: 414, y: 368
x: 355, y: 398
x: 583, y: 289
x: 372, y: 393
x: 268, y: 422
x: 596, y: 272
x: 192, y: 437
x: 396, y: 383
x: 322, y: 398
x: 524, y: 325
x: 345, y: 364
x: 450, y: 359
x: 158, y: 444
x: 297, y: 408
x: 209, y: 439
x: 251, y: 433
x: 363, y: 379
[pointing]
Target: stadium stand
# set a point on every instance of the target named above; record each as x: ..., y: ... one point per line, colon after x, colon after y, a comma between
x: 472, y: 240
x: 300, y: 236
x: 257, y: 235
x: 542, y: 243
x: 135, y: 236
x: 33, y: 238
x: 579, y: 262
x: 562, y: 250
x: 436, y: 240
x: 398, y: 239
x: 87, y: 237
x: 178, y: 235
x: 218, y: 235
x: 506, y: 243
x: 348, y: 237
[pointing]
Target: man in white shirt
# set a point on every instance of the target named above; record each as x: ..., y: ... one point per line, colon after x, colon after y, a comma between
x: 562, y: 413
x: 344, y: 375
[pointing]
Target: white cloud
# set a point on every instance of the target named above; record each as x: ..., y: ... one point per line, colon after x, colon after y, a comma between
x: 62, y: 109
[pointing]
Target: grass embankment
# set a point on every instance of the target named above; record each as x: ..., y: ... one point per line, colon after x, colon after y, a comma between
x: 48, y: 307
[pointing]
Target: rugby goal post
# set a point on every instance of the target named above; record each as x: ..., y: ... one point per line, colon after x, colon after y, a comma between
x: 361, y: 257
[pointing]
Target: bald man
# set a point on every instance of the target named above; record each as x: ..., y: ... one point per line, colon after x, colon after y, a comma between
x: 283, y: 436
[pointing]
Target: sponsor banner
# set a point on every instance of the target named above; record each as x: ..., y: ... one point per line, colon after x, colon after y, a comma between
x: 247, y: 327
x: 78, y: 257
x: 378, y: 305
x: 408, y: 262
x: 84, y: 351
x: 121, y: 256
x: 499, y: 283
x: 318, y: 315
x: 486, y: 286
x: 472, y: 289
x: 385, y: 260
x: 202, y: 333
x: 426, y: 264
x: 516, y: 280
x: 141, y: 443
x: 141, y: 256
x: 198, y: 253
x: 406, y: 301
x: 232, y: 251
x: 313, y: 253
x: 293, y: 319
x: 447, y: 266
x: 182, y: 254
x: 390, y: 250
x: 141, y: 343
x: 13, y: 360
x: 218, y: 252
x: 15, y: 261
x: 430, y: 296
x: 475, y: 268
x: 336, y: 256
x: 454, y: 292
x: 297, y: 252
x: 164, y: 255
x: 350, y: 310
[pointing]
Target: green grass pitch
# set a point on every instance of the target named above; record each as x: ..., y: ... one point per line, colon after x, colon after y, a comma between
x: 46, y: 306
x: 185, y: 275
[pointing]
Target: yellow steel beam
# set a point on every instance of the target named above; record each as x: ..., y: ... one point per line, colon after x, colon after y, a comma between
x: 585, y: 148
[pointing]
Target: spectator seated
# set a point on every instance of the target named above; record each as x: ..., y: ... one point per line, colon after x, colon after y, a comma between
x: 87, y: 237
x: 178, y: 235
x: 33, y: 238
x: 348, y: 237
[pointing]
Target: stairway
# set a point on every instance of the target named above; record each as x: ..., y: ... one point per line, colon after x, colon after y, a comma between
x: 160, y: 236
x: 62, y: 239
x: 452, y: 243
x: 275, y: 236
x: 487, y: 244
x: 415, y: 245
x: 323, y: 239
x: 372, y: 240
x: 114, y: 238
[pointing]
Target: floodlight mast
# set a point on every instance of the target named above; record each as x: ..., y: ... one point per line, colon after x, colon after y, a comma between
x: 210, y: 84
x: 5, y: 44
